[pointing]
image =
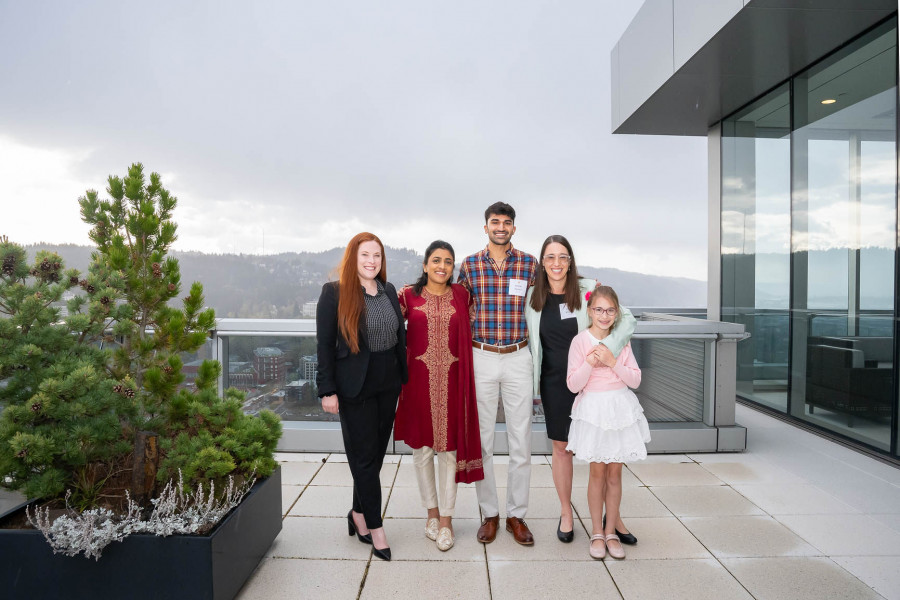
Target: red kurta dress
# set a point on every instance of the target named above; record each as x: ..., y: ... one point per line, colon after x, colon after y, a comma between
x: 437, y: 406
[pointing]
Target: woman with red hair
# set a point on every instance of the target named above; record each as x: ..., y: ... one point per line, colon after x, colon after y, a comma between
x: 361, y: 367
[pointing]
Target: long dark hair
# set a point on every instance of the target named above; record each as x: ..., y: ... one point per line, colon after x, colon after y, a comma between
x: 351, y: 302
x: 541, y: 292
x: 423, y: 278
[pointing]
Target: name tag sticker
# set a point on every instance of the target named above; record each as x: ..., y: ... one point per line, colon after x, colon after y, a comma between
x: 564, y: 312
x: 518, y: 287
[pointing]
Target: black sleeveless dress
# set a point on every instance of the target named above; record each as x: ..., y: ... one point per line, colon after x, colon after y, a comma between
x: 556, y: 337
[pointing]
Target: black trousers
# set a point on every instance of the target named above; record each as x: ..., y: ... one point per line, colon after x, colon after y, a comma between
x: 366, y: 424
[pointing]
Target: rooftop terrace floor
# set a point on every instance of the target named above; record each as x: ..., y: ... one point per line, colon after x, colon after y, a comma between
x: 795, y: 516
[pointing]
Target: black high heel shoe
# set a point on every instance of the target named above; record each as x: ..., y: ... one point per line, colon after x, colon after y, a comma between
x: 625, y: 538
x: 382, y: 553
x: 565, y: 536
x: 351, y: 527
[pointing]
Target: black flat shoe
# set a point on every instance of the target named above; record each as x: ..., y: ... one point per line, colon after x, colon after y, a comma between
x: 351, y: 527
x: 564, y: 536
x: 382, y: 553
x: 625, y: 538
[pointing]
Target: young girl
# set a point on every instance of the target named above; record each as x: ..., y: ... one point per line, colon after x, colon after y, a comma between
x: 608, y: 423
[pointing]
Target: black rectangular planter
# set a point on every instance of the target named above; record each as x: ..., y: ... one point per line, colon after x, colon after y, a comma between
x: 213, y: 566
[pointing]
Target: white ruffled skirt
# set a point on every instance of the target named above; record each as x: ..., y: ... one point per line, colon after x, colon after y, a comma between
x: 608, y: 427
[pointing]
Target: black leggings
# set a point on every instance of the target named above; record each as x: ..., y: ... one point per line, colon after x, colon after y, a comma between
x: 366, y: 424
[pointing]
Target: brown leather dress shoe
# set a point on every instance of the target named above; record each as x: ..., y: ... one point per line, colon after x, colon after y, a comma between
x: 488, y: 530
x: 520, y: 531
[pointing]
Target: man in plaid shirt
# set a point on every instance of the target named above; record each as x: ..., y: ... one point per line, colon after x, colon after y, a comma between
x: 498, y: 278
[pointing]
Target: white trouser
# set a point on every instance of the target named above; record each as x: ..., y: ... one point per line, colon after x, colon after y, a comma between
x: 506, y: 376
x: 444, y: 497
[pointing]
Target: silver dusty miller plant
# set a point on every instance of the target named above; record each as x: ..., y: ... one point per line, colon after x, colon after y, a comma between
x: 174, y: 512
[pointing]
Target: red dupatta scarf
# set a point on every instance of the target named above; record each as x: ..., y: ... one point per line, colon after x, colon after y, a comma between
x: 468, y: 436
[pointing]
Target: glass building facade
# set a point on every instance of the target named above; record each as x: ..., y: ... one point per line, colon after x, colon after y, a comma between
x: 808, y: 242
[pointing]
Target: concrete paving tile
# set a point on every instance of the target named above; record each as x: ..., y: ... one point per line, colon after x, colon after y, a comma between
x: 680, y: 579
x: 338, y: 474
x: 327, y: 501
x: 9, y: 500
x: 863, y: 491
x: 704, y: 501
x: 654, y: 459
x: 718, y: 457
x: 793, y: 499
x: 636, y: 502
x: 434, y: 580
x: 546, y: 545
x: 288, y: 579
x: 543, y: 503
x: 512, y: 580
x: 689, y: 473
x: 659, y: 538
x: 299, y: 473
x: 747, y: 536
x: 406, y: 476
x: 892, y: 521
x: 845, y: 535
x: 878, y: 572
x: 406, y: 503
x: 289, y: 495
x: 408, y: 541
x: 318, y: 538
x: 750, y: 471
x: 310, y: 457
x: 797, y: 578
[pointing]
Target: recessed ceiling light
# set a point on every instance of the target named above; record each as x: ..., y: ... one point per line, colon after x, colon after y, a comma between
x: 829, y: 101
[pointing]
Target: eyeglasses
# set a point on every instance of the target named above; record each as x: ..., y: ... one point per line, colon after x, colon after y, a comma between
x: 552, y: 258
x: 604, y: 311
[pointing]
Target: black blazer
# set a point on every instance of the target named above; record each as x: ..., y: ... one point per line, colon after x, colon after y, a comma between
x: 340, y: 371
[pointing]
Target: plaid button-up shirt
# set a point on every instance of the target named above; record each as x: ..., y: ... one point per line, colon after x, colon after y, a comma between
x: 499, y: 315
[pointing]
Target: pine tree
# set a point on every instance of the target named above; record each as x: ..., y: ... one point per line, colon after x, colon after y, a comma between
x: 79, y: 391
x: 62, y: 426
x: 201, y: 433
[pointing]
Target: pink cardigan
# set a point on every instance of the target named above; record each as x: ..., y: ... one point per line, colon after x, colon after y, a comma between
x: 582, y: 377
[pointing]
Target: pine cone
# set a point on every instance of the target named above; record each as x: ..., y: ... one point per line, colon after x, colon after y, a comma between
x: 9, y: 264
x: 168, y: 370
x: 104, y: 300
x: 90, y: 289
x: 83, y: 283
x: 129, y: 393
x: 36, y: 407
x: 45, y: 265
x: 73, y: 280
x: 118, y: 388
x: 171, y: 287
x: 22, y: 453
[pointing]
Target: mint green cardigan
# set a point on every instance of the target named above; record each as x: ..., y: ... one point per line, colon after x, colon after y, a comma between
x: 615, y: 341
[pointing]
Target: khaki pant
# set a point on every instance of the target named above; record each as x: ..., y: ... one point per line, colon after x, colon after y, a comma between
x: 506, y: 376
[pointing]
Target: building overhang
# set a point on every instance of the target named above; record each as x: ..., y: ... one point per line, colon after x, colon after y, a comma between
x: 683, y: 65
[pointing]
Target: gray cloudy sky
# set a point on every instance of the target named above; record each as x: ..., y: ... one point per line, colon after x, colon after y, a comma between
x: 302, y: 123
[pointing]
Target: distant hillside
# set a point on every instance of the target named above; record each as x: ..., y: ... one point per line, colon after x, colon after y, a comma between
x: 277, y: 285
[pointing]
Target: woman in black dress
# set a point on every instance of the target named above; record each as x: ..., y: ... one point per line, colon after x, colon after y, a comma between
x: 555, y: 311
